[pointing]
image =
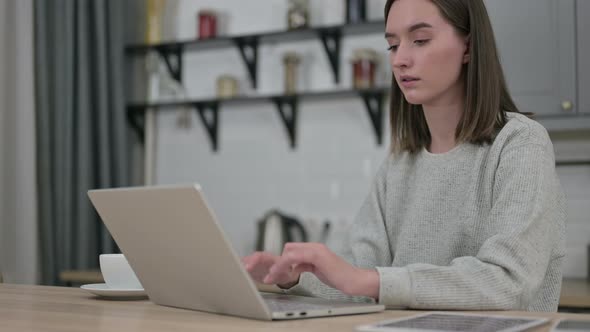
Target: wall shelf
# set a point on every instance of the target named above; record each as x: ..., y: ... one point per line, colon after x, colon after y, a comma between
x: 330, y: 36
x: 286, y: 105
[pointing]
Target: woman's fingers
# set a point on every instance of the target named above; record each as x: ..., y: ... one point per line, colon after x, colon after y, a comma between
x: 258, y: 264
x: 317, y: 259
x: 296, y: 259
x: 257, y: 259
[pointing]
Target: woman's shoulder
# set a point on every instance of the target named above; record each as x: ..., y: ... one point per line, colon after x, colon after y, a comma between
x: 521, y: 130
x: 394, y: 161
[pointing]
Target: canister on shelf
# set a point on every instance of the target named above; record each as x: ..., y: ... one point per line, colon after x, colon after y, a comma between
x: 364, y: 67
x: 291, y: 62
x: 298, y: 14
x: 356, y: 11
x: 154, y: 21
x: 207, y: 26
x: 227, y: 86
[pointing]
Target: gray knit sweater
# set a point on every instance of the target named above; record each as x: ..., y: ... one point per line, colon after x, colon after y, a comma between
x: 475, y: 228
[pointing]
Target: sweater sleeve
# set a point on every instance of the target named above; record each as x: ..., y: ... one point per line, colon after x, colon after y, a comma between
x: 525, y: 221
x: 366, y: 245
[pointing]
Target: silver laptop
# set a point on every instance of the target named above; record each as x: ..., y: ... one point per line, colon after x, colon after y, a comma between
x: 183, y: 259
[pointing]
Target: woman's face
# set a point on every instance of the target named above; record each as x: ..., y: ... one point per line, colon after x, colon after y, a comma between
x: 426, y: 53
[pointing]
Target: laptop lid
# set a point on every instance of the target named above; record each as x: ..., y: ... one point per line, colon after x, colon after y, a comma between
x: 177, y: 249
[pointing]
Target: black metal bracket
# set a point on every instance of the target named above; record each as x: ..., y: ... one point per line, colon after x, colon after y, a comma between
x: 287, y: 108
x: 136, y: 119
x: 374, y: 104
x: 173, y: 58
x: 331, y: 41
x: 249, y: 51
x: 210, y: 123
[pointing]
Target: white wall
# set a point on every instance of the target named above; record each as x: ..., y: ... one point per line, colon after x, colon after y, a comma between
x: 18, y: 218
x: 329, y: 173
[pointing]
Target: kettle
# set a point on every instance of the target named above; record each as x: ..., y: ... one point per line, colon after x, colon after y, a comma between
x: 275, y: 229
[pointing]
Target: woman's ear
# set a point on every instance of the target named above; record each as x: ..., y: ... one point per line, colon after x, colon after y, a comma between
x: 467, y: 54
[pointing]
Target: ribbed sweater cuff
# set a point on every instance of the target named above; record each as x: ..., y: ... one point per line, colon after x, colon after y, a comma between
x: 395, y: 287
x: 299, y: 288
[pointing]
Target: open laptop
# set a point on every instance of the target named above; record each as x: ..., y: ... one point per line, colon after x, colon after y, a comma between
x: 183, y: 259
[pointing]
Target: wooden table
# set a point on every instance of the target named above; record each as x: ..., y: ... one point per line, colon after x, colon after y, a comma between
x: 42, y: 308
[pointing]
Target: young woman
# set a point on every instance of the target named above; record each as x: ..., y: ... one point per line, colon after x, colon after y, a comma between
x: 466, y: 212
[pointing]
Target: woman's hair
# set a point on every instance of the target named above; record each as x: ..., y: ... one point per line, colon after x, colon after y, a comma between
x: 486, y: 95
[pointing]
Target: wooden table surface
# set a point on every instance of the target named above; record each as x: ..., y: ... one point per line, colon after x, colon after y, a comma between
x: 42, y: 308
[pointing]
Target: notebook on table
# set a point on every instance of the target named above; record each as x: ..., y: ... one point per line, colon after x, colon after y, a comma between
x: 455, y: 322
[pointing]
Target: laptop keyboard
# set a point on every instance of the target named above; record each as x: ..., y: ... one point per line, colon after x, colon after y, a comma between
x: 291, y: 303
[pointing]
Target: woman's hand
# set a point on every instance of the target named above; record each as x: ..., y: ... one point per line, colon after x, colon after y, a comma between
x: 324, y: 264
x: 258, y: 265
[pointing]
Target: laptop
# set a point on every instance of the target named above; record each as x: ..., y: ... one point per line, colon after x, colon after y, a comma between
x: 183, y: 259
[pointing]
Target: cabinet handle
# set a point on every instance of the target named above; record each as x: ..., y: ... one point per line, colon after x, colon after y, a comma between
x: 567, y: 105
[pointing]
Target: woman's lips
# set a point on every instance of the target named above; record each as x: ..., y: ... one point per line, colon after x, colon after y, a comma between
x: 409, y: 82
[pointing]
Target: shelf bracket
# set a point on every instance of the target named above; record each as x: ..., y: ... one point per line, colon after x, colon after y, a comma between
x: 173, y: 58
x: 248, y: 47
x: 211, y: 122
x: 287, y: 108
x: 136, y: 119
x: 374, y: 105
x: 331, y: 41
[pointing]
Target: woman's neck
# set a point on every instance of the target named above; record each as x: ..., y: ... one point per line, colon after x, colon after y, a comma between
x: 442, y: 120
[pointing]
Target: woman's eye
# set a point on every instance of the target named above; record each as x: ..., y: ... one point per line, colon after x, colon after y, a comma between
x: 392, y: 48
x: 421, y: 42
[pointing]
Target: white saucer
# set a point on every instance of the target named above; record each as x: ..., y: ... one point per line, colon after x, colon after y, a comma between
x: 105, y: 291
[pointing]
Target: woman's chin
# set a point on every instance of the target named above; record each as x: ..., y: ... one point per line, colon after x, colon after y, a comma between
x: 414, y: 100
x: 414, y: 96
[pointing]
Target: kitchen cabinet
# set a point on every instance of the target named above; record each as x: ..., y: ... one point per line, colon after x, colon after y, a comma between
x: 537, y: 46
x: 583, y: 40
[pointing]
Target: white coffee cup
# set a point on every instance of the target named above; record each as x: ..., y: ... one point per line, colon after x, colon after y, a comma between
x: 117, y: 272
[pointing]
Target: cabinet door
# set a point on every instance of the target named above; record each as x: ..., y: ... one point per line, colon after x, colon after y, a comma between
x: 583, y: 46
x: 536, y: 41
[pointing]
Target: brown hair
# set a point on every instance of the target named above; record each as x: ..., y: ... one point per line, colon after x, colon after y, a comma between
x: 487, y: 97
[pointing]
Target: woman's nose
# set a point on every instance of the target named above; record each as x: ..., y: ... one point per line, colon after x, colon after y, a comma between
x: 401, y: 58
